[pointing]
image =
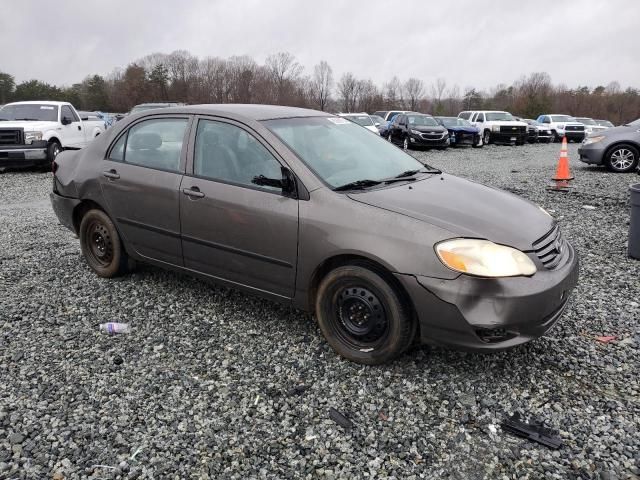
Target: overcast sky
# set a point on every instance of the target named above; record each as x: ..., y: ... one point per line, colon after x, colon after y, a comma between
x: 469, y: 43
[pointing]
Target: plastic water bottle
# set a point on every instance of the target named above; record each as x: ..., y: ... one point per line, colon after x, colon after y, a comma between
x: 115, y: 327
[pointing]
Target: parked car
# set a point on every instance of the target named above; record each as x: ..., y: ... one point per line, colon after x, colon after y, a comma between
x: 311, y: 210
x: 616, y: 148
x: 388, y: 115
x: 532, y: 130
x: 605, y: 123
x: 563, y: 126
x: 381, y: 124
x: 362, y: 119
x: 34, y: 133
x: 497, y: 126
x: 150, y: 106
x: 461, y: 132
x: 590, y: 125
x: 415, y: 130
x: 544, y: 132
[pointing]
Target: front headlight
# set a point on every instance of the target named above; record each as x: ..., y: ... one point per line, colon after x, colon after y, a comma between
x: 30, y: 137
x: 484, y: 258
x: 415, y: 132
x: 590, y: 140
x: 495, y: 128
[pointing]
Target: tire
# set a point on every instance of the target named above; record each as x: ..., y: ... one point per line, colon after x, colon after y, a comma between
x: 486, y: 137
x: 53, y: 150
x: 389, y: 138
x: 383, y: 327
x: 555, y: 138
x: 405, y: 144
x: 622, y: 158
x: 101, y: 245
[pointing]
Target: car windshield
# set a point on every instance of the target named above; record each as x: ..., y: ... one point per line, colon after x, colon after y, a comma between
x: 454, y: 122
x: 30, y: 111
x: 363, y: 120
x: 586, y: 121
x: 562, y: 118
x: 635, y: 123
x: 421, y: 120
x: 499, y: 116
x: 378, y: 119
x: 604, y: 123
x: 340, y: 152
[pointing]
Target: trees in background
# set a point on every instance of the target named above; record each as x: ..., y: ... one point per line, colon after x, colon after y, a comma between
x: 182, y: 77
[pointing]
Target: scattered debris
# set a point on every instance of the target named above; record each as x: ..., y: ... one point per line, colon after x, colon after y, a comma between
x: 297, y: 390
x: 117, y: 360
x: 138, y: 450
x: 340, y: 419
x: 606, y: 339
x: 534, y: 431
x: 256, y: 400
x: 115, y: 327
x: 382, y: 416
x: 588, y: 207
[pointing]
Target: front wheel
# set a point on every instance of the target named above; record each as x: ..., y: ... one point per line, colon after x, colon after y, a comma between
x: 389, y: 138
x: 622, y: 158
x: 362, y: 316
x: 555, y: 138
x: 53, y: 150
x: 405, y: 144
x: 101, y: 245
x: 486, y: 138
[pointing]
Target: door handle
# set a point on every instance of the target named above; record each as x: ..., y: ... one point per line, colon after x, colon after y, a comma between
x: 193, y: 192
x: 79, y: 127
x: 112, y: 174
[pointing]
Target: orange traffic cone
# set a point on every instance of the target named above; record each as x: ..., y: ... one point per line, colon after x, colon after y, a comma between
x: 563, y: 175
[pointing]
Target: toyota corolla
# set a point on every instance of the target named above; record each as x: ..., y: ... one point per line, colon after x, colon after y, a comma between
x: 310, y: 209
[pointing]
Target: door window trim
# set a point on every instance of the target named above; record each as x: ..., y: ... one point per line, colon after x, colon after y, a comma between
x: 125, y: 132
x: 189, y: 171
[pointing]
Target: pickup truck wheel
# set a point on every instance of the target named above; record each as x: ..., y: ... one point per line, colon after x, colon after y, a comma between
x: 555, y: 138
x: 362, y: 316
x: 101, y: 245
x: 486, y: 137
x: 53, y: 150
x: 621, y: 158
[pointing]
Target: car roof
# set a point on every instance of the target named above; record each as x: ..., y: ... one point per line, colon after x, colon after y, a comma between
x: 246, y: 111
x: 40, y: 102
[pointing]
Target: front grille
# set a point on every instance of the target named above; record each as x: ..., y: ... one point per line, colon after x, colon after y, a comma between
x: 466, y: 138
x: 574, y: 128
x: 513, y: 129
x: 11, y: 136
x: 552, y: 248
x: 432, y: 135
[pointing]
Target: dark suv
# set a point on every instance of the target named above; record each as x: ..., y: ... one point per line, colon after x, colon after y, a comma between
x: 413, y: 130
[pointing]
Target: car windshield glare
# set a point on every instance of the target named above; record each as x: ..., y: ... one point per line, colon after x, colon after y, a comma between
x: 340, y: 152
x: 499, y: 116
x: 363, y: 120
x: 421, y: 121
x: 30, y: 111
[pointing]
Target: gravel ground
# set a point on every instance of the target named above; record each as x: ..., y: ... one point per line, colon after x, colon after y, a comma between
x: 212, y: 383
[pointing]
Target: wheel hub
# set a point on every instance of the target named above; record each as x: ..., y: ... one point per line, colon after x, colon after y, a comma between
x: 100, y: 244
x: 361, y: 314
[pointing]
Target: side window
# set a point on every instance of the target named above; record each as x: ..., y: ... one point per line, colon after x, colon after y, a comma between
x: 480, y: 117
x: 67, y: 112
x: 117, y: 151
x: 230, y: 154
x: 156, y: 143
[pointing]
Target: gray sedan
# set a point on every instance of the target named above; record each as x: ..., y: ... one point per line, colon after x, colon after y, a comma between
x: 616, y: 148
x: 310, y: 209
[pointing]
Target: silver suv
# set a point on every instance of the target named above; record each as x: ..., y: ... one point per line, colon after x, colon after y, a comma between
x: 616, y: 148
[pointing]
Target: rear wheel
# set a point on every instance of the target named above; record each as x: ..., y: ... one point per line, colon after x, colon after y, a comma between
x: 362, y: 316
x: 622, y: 158
x: 101, y: 245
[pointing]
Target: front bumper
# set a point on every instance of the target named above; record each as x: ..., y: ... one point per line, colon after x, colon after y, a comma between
x: 63, y: 207
x: 491, y: 314
x: 23, y: 155
x: 576, y: 136
x: 506, y: 137
x: 420, y: 141
x: 592, y: 153
x: 464, y: 138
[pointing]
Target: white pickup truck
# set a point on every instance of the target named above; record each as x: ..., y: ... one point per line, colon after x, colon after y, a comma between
x: 34, y: 133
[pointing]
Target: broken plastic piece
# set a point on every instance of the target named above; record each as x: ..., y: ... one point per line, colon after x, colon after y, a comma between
x: 606, y: 339
x: 340, y: 419
x: 115, y: 327
x: 533, y: 431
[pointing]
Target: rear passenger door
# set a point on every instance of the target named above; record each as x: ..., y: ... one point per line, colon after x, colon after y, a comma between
x: 141, y: 185
x: 234, y: 228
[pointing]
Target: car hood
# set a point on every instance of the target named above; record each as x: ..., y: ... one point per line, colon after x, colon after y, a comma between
x: 426, y: 129
x: 463, y: 129
x: 616, y: 130
x: 465, y: 208
x: 28, y: 125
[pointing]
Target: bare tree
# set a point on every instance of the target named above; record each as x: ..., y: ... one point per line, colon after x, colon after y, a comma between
x: 414, y: 89
x: 348, y: 90
x: 393, y: 93
x: 437, y: 91
x: 321, y: 84
x: 284, y: 71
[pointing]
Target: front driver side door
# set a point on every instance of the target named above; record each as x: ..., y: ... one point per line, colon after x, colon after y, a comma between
x: 72, y: 132
x: 232, y: 228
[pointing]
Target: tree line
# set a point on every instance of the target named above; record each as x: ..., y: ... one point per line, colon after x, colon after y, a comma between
x: 182, y: 77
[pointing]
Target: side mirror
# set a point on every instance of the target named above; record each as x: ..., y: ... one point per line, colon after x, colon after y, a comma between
x: 84, y: 119
x: 65, y: 121
x: 287, y: 183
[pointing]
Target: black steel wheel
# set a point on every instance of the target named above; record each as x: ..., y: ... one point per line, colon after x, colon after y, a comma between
x: 101, y: 245
x: 362, y: 316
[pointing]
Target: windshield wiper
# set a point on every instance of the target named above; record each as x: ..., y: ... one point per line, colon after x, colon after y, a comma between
x: 27, y: 119
x: 411, y: 173
x: 357, y: 185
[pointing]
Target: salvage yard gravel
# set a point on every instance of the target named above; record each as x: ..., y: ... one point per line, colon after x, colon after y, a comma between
x: 213, y: 383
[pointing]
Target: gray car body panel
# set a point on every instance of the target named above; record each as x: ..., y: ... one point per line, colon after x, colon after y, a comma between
x: 594, y: 153
x: 274, y: 246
